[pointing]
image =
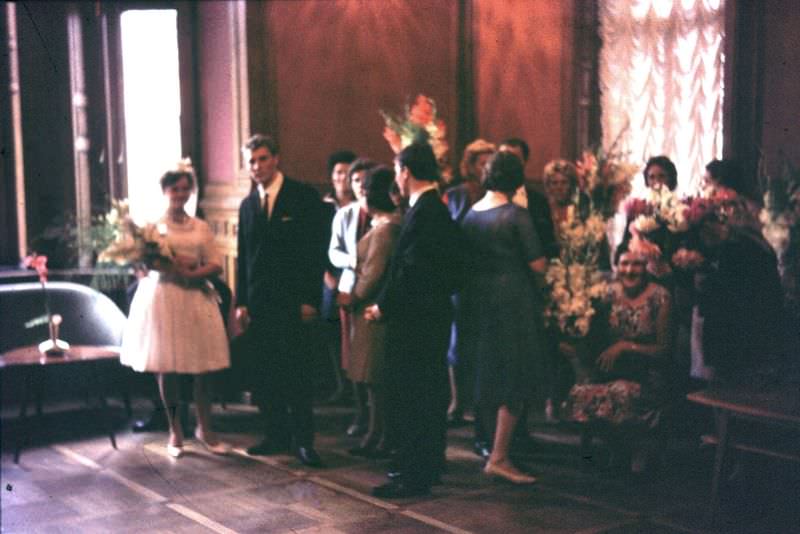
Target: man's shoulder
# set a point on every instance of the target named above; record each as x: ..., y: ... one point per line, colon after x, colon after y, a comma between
x: 301, y: 188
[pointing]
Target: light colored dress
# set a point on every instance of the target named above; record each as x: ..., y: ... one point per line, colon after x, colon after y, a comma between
x: 175, y: 327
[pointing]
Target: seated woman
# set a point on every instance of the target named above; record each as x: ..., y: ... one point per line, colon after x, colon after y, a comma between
x: 627, y: 389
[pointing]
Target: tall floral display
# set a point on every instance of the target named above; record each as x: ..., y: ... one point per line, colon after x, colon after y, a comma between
x: 576, y: 281
x: 781, y: 219
x: 419, y: 123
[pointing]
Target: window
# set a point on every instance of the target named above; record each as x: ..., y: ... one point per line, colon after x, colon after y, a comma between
x: 152, y: 107
x: 661, y: 80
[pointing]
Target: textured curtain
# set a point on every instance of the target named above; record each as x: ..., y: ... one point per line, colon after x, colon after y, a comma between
x: 661, y: 80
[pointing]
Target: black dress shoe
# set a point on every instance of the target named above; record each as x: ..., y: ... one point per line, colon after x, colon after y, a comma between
x: 397, y: 489
x: 267, y: 448
x: 308, y: 456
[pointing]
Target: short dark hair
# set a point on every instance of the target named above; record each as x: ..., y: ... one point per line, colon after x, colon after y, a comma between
x: 378, y: 183
x: 665, y: 163
x: 419, y: 159
x: 359, y: 165
x: 728, y: 173
x: 517, y: 142
x: 258, y: 140
x: 504, y: 173
x: 340, y: 156
x: 171, y: 178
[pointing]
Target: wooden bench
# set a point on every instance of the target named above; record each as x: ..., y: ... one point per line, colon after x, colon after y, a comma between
x: 776, y: 407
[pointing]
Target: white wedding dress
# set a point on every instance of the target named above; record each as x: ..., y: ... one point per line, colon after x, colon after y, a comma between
x: 173, y: 328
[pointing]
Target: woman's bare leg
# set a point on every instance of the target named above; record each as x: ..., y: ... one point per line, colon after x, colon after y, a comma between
x: 168, y: 387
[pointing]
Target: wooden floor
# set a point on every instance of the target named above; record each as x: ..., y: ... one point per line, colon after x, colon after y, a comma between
x: 71, y: 480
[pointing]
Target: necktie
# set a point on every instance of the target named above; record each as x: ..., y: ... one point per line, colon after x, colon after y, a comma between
x: 266, y: 205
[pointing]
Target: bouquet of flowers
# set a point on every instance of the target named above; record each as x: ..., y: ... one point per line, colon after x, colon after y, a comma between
x: 606, y: 179
x: 418, y: 124
x: 781, y: 219
x: 121, y: 242
x: 575, y: 290
x: 576, y: 282
x: 781, y: 213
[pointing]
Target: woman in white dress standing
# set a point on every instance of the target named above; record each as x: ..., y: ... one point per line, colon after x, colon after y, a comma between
x: 175, y: 326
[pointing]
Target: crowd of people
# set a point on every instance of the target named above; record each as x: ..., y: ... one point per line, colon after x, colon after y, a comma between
x: 437, y: 294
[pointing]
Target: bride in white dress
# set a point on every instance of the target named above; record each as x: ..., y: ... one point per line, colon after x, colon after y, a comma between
x: 175, y: 326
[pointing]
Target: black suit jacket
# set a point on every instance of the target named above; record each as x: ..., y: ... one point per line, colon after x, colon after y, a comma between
x: 427, y: 264
x: 281, y: 260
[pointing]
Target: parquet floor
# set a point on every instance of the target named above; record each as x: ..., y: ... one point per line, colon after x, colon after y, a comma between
x: 71, y: 480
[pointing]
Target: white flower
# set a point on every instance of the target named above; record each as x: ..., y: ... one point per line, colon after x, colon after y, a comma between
x: 645, y: 224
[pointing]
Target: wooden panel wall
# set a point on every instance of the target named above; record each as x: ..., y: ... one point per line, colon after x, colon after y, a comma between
x: 524, y: 70
x: 331, y: 65
x: 780, y: 124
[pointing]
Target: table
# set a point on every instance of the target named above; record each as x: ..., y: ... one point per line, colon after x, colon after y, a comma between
x: 34, y: 364
x: 777, y: 406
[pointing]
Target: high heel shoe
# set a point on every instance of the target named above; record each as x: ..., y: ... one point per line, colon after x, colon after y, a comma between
x: 174, y: 451
x: 219, y: 447
x: 508, y: 473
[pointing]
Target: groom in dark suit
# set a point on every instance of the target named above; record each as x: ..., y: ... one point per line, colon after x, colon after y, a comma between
x: 415, y: 302
x: 280, y: 262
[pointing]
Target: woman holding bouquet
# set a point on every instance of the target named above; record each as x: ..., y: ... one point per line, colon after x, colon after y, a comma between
x: 174, y: 326
x: 629, y: 387
x: 503, y: 307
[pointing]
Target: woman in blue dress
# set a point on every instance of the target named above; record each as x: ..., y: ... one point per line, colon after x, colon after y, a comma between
x: 503, y: 307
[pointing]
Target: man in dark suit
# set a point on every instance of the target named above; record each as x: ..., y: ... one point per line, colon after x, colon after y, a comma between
x: 415, y: 301
x: 280, y: 262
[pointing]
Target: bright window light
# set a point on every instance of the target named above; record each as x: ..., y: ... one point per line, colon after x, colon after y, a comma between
x: 152, y: 107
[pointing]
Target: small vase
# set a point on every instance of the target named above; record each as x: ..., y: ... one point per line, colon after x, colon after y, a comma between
x: 54, y: 346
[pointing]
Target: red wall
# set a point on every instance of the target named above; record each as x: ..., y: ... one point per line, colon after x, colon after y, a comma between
x: 524, y: 71
x: 333, y: 64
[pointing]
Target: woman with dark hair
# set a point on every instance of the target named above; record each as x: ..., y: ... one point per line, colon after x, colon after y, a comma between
x: 626, y: 388
x: 174, y: 326
x: 660, y: 170
x: 503, y: 307
x: 366, y: 352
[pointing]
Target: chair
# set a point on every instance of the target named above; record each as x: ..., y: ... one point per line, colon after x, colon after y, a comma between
x: 89, y: 319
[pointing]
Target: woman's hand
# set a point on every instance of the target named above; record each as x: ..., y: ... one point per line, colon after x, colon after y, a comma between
x: 373, y: 313
x: 609, y: 356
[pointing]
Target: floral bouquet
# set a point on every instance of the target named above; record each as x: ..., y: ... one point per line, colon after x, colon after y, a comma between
x: 781, y: 213
x: 781, y: 219
x: 123, y: 243
x: 606, y: 179
x: 418, y: 124
x: 576, y: 288
x: 52, y: 346
x: 576, y: 282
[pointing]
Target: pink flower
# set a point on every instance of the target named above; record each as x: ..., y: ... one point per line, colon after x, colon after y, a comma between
x: 422, y: 111
x: 637, y: 206
x: 38, y: 262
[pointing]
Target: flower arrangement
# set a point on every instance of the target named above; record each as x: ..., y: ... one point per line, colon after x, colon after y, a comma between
x: 122, y: 243
x: 52, y: 346
x: 781, y: 213
x: 576, y: 282
x: 606, y: 179
x: 418, y: 124
x: 574, y: 290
